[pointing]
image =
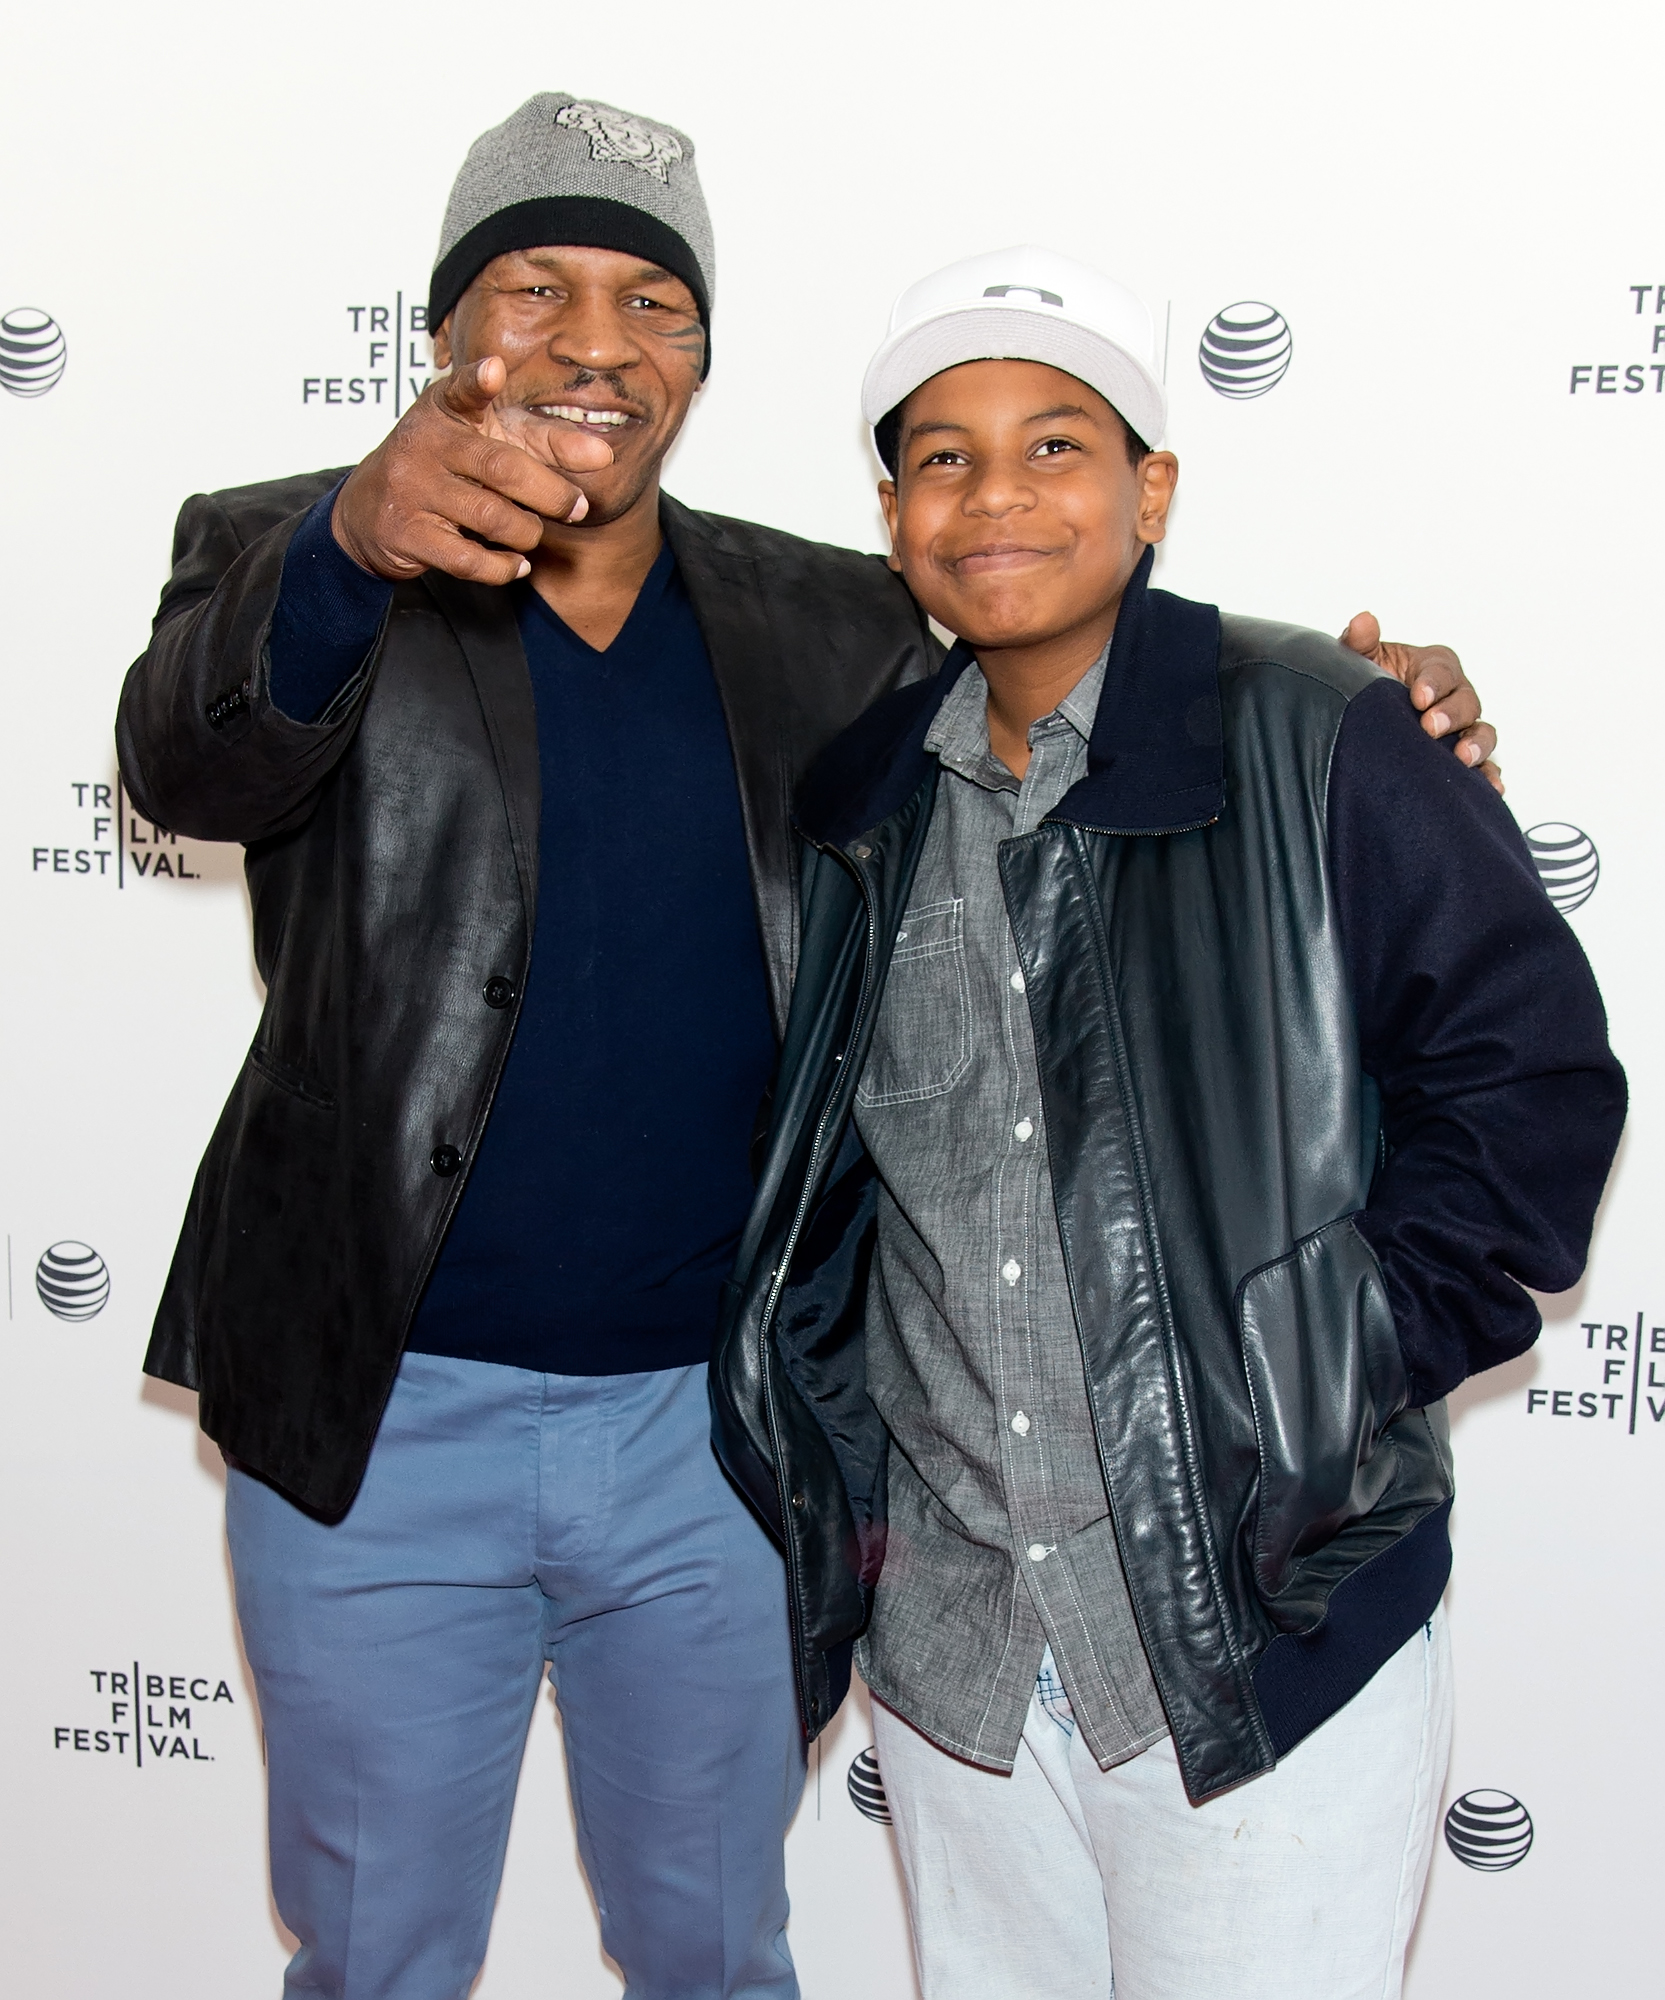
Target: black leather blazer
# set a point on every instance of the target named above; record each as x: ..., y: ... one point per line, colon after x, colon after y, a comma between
x: 392, y: 854
x: 1212, y: 1134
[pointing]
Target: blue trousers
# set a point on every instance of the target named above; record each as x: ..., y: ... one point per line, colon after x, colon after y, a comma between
x: 509, y: 1519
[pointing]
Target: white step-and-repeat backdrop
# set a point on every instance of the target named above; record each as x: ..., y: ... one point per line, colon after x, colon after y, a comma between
x: 1444, y: 222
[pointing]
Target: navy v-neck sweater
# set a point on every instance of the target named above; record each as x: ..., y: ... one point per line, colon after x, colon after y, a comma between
x: 605, y: 1202
x: 610, y: 1189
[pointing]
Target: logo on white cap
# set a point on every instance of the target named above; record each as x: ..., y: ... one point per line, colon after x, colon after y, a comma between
x: 1037, y: 291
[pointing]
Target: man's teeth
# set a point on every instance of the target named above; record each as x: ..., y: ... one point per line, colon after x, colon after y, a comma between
x: 574, y: 415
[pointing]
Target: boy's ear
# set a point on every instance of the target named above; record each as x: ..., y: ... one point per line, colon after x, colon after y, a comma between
x: 891, y: 507
x: 1158, y: 475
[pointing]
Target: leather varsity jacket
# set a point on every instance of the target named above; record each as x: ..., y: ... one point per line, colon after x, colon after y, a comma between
x: 1325, y: 1083
x: 392, y: 858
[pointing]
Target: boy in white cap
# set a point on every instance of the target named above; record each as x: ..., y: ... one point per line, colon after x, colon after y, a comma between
x: 1186, y: 1073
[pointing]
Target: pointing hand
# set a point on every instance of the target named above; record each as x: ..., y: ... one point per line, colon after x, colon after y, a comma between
x: 448, y: 481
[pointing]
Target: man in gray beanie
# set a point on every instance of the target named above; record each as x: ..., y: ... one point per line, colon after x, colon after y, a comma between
x: 511, y: 738
x: 565, y: 171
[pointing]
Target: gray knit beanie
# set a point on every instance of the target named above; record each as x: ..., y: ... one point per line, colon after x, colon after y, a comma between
x: 566, y: 169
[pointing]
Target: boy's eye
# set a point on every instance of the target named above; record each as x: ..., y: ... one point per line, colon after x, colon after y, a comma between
x: 1052, y: 447
x: 947, y: 456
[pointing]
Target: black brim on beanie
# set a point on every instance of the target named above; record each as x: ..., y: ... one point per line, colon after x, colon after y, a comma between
x: 587, y: 221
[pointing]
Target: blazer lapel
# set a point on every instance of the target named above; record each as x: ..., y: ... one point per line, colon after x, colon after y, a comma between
x: 727, y: 592
x: 483, y: 620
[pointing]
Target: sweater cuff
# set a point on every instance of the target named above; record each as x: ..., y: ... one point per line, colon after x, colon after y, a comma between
x: 328, y: 614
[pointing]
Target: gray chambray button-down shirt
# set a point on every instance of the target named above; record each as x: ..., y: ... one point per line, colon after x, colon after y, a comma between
x: 1000, y: 1535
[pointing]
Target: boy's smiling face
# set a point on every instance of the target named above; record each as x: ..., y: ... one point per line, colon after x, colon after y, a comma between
x: 1016, y: 516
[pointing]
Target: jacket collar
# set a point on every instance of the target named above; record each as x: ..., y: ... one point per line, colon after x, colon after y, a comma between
x: 1155, y: 760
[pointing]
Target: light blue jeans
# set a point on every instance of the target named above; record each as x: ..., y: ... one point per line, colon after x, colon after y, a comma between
x: 507, y: 1519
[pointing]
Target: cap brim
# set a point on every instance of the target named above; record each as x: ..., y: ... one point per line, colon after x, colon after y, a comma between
x: 990, y: 332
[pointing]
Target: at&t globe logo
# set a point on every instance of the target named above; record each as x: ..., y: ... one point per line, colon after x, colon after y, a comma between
x: 32, y: 351
x: 73, y: 1281
x: 867, y: 1788
x: 1488, y: 1830
x: 1567, y: 863
x: 1245, y: 350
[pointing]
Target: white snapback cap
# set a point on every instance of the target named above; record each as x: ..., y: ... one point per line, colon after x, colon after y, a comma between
x: 1023, y: 304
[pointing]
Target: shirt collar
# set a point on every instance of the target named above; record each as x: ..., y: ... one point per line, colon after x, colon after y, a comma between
x: 959, y: 734
x: 1155, y: 760
x: 1080, y: 705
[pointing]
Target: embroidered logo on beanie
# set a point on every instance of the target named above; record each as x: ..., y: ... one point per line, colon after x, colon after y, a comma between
x: 632, y: 142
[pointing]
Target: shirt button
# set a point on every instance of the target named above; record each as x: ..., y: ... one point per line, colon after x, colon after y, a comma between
x: 1017, y: 982
x: 1038, y: 1552
x: 1011, y: 1270
x: 1024, y: 1129
x: 1020, y: 1423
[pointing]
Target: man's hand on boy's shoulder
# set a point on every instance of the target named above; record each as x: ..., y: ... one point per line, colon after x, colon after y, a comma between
x: 1438, y: 687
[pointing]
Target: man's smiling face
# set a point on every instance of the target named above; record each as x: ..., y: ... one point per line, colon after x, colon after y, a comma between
x: 597, y: 343
x: 1018, y: 515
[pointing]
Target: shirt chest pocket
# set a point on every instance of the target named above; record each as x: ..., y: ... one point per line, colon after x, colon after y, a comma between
x: 922, y: 1041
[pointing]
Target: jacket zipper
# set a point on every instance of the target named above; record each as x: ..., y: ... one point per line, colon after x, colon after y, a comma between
x: 1136, y: 832
x: 777, y: 1282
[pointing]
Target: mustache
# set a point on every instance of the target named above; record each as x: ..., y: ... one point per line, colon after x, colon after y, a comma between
x: 580, y: 379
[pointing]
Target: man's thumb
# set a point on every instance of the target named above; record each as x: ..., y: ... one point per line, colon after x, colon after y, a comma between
x: 1363, y: 634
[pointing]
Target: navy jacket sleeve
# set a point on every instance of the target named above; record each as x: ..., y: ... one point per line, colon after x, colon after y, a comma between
x: 328, y: 614
x: 1479, y: 1017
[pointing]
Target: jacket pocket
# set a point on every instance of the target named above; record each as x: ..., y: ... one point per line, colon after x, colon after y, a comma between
x: 922, y: 1042
x: 287, y: 1077
x: 1326, y: 1378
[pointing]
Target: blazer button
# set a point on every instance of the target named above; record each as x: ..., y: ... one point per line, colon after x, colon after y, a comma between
x: 498, y: 991
x: 445, y: 1160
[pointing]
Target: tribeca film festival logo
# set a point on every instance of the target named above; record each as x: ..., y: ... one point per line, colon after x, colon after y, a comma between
x: 1601, y: 378
x: 1622, y: 1394
x: 1489, y: 1831
x: 1245, y: 350
x: 108, y: 841
x: 1567, y: 863
x: 32, y: 351
x: 145, y: 1717
x: 392, y: 360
